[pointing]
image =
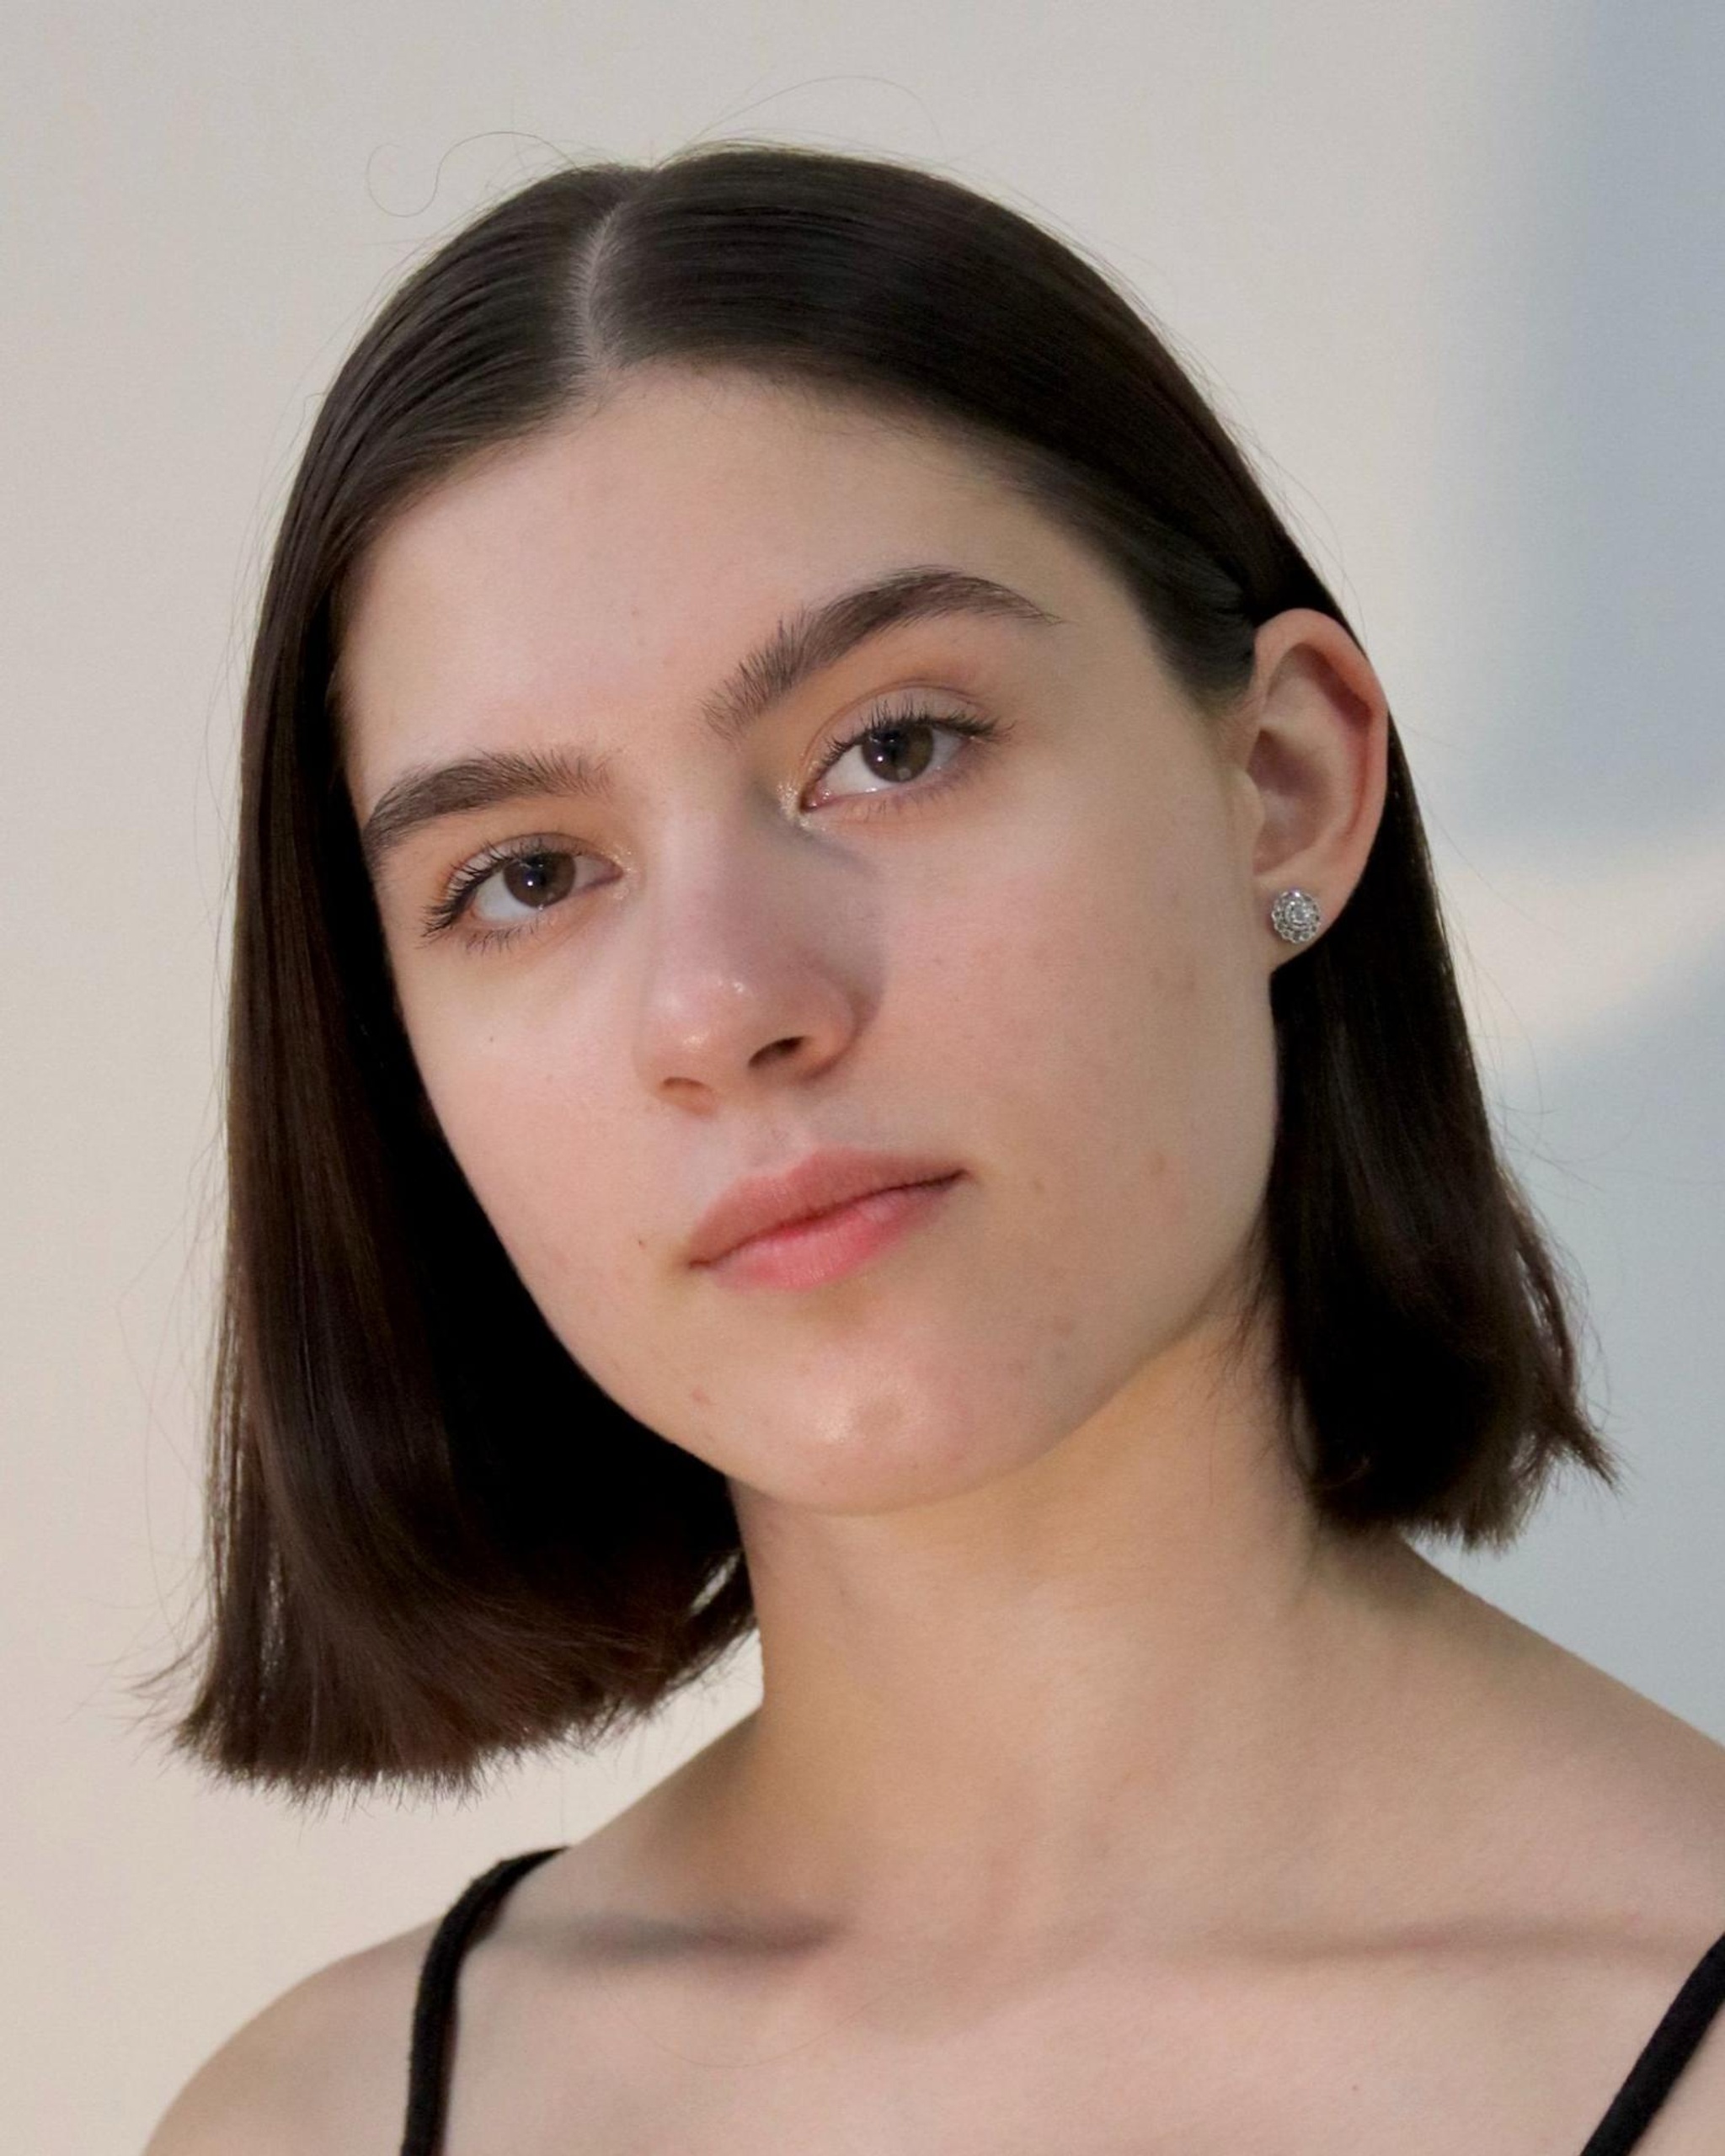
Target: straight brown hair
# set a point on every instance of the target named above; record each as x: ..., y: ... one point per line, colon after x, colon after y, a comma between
x: 434, y: 1542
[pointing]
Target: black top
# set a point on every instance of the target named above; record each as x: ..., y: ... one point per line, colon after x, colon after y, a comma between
x: 1667, y: 2051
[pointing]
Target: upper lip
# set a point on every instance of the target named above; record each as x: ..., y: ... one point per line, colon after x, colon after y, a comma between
x: 825, y: 1179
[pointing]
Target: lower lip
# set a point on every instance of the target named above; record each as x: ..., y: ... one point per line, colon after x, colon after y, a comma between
x: 808, y: 1253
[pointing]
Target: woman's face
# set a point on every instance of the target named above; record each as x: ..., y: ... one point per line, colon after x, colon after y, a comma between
x: 1040, y: 957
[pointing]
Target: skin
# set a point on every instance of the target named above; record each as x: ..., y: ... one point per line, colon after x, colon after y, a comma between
x: 1075, y: 1723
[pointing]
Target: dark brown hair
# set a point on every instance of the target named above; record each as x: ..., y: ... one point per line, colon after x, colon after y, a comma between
x: 435, y: 1542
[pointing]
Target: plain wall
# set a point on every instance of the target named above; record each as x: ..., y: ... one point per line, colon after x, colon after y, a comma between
x: 1455, y: 274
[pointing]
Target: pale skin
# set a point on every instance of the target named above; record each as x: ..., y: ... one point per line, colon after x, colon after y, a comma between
x: 1097, y: 1800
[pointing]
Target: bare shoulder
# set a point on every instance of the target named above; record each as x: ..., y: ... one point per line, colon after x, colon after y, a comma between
x: 321, y: 2069
x: 1600, y: 1816
x: 1605, y: 1755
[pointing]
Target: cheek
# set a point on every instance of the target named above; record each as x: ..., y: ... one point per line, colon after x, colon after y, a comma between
x: 1106, y: 1034
x: 514, y: 1106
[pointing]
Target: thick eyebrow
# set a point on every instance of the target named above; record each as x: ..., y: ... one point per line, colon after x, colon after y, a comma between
x: 813, y: 638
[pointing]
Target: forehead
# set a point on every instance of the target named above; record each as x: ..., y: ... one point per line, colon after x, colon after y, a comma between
x: 622, y: 560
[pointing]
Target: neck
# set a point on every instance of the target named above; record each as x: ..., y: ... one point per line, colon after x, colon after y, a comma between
x: 1132, y: 1678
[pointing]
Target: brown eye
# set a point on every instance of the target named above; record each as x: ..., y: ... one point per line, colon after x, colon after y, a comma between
x: 899, y: 748
x: 538, y: 879
x: 504, y: 889
x: 899, y: 752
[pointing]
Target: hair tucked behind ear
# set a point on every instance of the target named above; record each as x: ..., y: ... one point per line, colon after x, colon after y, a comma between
x: 434, y: 1540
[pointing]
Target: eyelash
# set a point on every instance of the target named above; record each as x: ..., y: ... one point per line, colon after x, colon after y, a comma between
x: 443, y: 913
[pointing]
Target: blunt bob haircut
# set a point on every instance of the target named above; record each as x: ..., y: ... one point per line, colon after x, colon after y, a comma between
x: 434, y: 1542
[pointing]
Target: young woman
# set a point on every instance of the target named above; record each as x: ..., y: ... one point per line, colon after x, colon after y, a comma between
x: 777, y: 701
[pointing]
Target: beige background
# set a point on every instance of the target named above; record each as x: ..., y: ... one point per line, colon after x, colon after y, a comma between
x: 1455, y: 271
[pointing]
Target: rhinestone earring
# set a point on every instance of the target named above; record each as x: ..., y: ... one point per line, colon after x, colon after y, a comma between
x: 1295, y: 916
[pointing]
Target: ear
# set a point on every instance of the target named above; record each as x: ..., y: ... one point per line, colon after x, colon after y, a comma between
x: 1311, y: 745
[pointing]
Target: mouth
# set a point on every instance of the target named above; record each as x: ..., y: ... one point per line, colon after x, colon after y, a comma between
x: 821, y: 1182
x: 825, y: 1245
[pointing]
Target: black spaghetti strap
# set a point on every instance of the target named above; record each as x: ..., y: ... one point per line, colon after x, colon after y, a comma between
x: 434, y: 2002
x: 1667, y: 2050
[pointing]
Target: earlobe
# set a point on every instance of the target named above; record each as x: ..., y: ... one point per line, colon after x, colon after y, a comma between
x: 1295, y: 916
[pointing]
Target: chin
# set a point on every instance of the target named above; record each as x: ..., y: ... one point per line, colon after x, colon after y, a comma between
x: 880, y: 1459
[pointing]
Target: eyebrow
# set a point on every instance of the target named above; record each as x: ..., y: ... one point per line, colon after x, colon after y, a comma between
x: 803, y: 644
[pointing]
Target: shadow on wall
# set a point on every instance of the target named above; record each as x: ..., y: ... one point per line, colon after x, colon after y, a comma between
x: 1595, y: 884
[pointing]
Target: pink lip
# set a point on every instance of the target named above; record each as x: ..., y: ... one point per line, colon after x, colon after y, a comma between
x: 808, y: 1253
x: 761, y: 1204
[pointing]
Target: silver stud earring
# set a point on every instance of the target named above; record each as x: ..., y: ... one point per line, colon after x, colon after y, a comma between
x: 1295, y: 916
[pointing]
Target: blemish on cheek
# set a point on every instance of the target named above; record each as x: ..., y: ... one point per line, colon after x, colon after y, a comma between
x: 1180, y: 981
x: 700, y: 1397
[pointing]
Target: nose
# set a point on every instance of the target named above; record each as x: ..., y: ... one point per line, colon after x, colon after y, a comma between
x: 756, y: 971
